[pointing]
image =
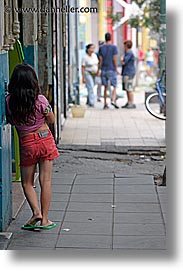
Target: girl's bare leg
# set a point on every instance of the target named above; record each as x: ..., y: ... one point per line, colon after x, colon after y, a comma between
x: 27, y: 177
x: 45, y: 174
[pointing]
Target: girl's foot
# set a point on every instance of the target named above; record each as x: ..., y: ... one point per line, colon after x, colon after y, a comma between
x: 34, y: 219
x: 47, y: 226
x: 47, y: 223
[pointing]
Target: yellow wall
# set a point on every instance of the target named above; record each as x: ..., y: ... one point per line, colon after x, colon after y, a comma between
x: 102, y: 26
x: 147, y: 42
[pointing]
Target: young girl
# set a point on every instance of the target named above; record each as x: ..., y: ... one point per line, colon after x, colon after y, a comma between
x: 29, y: 111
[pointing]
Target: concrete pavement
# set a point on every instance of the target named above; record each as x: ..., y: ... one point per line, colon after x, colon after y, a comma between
x: 104, y: 212
x: 119, y: 127
x: 110, y: 207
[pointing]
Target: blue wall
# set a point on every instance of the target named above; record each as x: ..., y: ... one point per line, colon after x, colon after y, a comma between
x: 29, y: 55
x: 5, y: 150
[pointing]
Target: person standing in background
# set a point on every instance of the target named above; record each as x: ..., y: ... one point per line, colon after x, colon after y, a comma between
x: 108, y: 65
x: 128, y: 74
x: 149, y: 61
x: 89, y: 72
x: 98, y: 79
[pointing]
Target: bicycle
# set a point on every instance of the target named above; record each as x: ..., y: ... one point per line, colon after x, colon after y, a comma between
x: 155, y: 103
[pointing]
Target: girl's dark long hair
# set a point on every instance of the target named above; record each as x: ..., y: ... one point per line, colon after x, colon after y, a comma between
x: 24, y: 90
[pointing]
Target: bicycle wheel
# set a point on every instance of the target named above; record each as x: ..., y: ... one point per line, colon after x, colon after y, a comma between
x: 152, y: 105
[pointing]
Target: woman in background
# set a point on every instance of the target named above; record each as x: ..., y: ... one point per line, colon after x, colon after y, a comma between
x: 89, y: 70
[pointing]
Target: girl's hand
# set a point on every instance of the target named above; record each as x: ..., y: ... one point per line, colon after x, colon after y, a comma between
x: 84, y: 81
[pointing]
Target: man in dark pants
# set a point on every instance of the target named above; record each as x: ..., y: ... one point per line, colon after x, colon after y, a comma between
x: 108, y: 65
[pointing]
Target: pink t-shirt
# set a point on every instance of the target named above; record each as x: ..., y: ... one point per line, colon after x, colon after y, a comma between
x: 42, y: 108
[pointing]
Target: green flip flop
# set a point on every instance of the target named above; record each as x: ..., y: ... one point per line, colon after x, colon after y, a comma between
x: 28, y: 227
x: 31, y: 226
x: 47, y: 227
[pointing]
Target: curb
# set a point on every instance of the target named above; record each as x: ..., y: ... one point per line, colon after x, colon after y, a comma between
x: 112, y: 149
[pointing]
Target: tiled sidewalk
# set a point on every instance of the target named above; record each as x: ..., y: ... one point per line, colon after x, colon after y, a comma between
x: 103, y: 212
x: 119, y: 127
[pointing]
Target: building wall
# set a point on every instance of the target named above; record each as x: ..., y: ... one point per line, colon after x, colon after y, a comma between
x: 1, y: 23
x: 94, y: 30
x: 6, y: 40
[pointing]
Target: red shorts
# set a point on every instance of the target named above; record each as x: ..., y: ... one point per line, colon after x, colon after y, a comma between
x: 36, y: 146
